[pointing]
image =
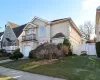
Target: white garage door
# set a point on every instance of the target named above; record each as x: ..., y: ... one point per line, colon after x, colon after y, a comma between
x: 27, y: 49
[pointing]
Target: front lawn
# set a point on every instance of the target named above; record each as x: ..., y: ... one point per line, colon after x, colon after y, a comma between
x: 73, y: 68
x: 3, y: 58
x: 5, y: 78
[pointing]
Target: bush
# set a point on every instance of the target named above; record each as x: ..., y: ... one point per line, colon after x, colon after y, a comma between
x: 1, y: 55
x: 46, y: 51
x: 3, y: 51
x: 98, y: 48
x: 59, y: 46
x: 66, y: 42
x: 30, y: 54
x: 70, y: 52
x: 12, y: 57
x: 16, y: 55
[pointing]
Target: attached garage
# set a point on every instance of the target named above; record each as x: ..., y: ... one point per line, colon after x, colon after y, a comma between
x: 26, y: 50
x: 28, y: 47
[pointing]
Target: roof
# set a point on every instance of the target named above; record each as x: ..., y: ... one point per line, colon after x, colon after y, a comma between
x: 66, y: 19
x: 19, y: 30
x: 98, y: 8
x: 60, y: 19
x: 13, y: 25
x: 58, y: 35
x: 1, y: 33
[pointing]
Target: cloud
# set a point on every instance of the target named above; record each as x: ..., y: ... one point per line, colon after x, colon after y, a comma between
x: 89, y: 4
x: 88, y: 11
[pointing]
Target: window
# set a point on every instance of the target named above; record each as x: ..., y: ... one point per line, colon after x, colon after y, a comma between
x: 42, y: 31
x: 31, y: 31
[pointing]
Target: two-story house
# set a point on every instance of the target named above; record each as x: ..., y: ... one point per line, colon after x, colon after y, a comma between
x: 39, y: 31
x: 12, y: 36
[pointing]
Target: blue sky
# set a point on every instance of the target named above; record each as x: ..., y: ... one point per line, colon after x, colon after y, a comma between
x: 23, y: 11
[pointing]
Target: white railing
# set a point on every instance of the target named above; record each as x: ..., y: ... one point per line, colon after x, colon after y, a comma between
x: 29, y: 37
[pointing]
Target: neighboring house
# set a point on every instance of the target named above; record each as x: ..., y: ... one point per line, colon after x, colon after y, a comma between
x: 97, y: 28
x: 12, y: 37
x: 39, y: 31
x: 1, y: 35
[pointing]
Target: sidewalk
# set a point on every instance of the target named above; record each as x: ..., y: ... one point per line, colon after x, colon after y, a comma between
x: 20, y: 75
x: 7, y: 60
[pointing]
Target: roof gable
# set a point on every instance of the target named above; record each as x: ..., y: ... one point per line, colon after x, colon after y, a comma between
x: 12, y: 25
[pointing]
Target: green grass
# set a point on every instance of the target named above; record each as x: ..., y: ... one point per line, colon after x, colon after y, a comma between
x: 5, y: 78
x: 3, y: 58
x: 73, y: 68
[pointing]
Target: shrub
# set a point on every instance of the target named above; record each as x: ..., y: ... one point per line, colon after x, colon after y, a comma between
x: 70, y: 52
x: 16, y: 55
x: 30, y: 54
x: 66, y: 42
x: 46, y: 51
x: 1, y: 55
x: 98, y: 48
x: 2, y: 51
x: 12, y: 57
x: 59, y: 46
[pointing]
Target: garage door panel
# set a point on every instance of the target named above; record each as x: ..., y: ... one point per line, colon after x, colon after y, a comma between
x: 27, y: 49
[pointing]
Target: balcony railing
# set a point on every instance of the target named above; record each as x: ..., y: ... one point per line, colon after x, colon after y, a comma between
x: 29, y: 37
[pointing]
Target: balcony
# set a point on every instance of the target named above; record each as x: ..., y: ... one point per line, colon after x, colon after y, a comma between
x: 29, y: 37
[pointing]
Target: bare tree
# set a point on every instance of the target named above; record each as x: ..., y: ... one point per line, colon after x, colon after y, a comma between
x: 86, y: 29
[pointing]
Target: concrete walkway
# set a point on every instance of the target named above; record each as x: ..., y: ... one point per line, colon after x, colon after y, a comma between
x: 20, y: 75
x: 7, y: 60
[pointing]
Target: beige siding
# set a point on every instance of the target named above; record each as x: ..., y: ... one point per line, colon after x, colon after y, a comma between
x: 75, y: 38
x: 20, y: 39
x: 97, y: 28
x: 60, y: 27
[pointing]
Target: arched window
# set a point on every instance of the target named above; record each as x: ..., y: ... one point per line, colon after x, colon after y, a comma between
x: 42, y: 31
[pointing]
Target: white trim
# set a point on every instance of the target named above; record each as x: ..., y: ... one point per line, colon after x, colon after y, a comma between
x: 39, y: 19
x: 34, y: 25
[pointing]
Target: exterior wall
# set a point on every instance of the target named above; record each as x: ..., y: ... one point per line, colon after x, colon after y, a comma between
x: 57, y: 40
x: 41, y: 24
x: 75, y: 37
x: 48, y: 33
x: 20, y: 39
x: 97, y: 28
x: 9, y: 34
x: 60, y: 27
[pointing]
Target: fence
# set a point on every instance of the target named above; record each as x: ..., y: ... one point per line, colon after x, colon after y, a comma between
x: 90, y: 49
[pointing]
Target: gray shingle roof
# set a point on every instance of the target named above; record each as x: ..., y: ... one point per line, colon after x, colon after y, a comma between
x: 19, y: 30
x: 58, y: 35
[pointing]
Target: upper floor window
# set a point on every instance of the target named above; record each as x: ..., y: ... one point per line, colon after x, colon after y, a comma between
x: 42, y: 31
x: 30, y: 31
